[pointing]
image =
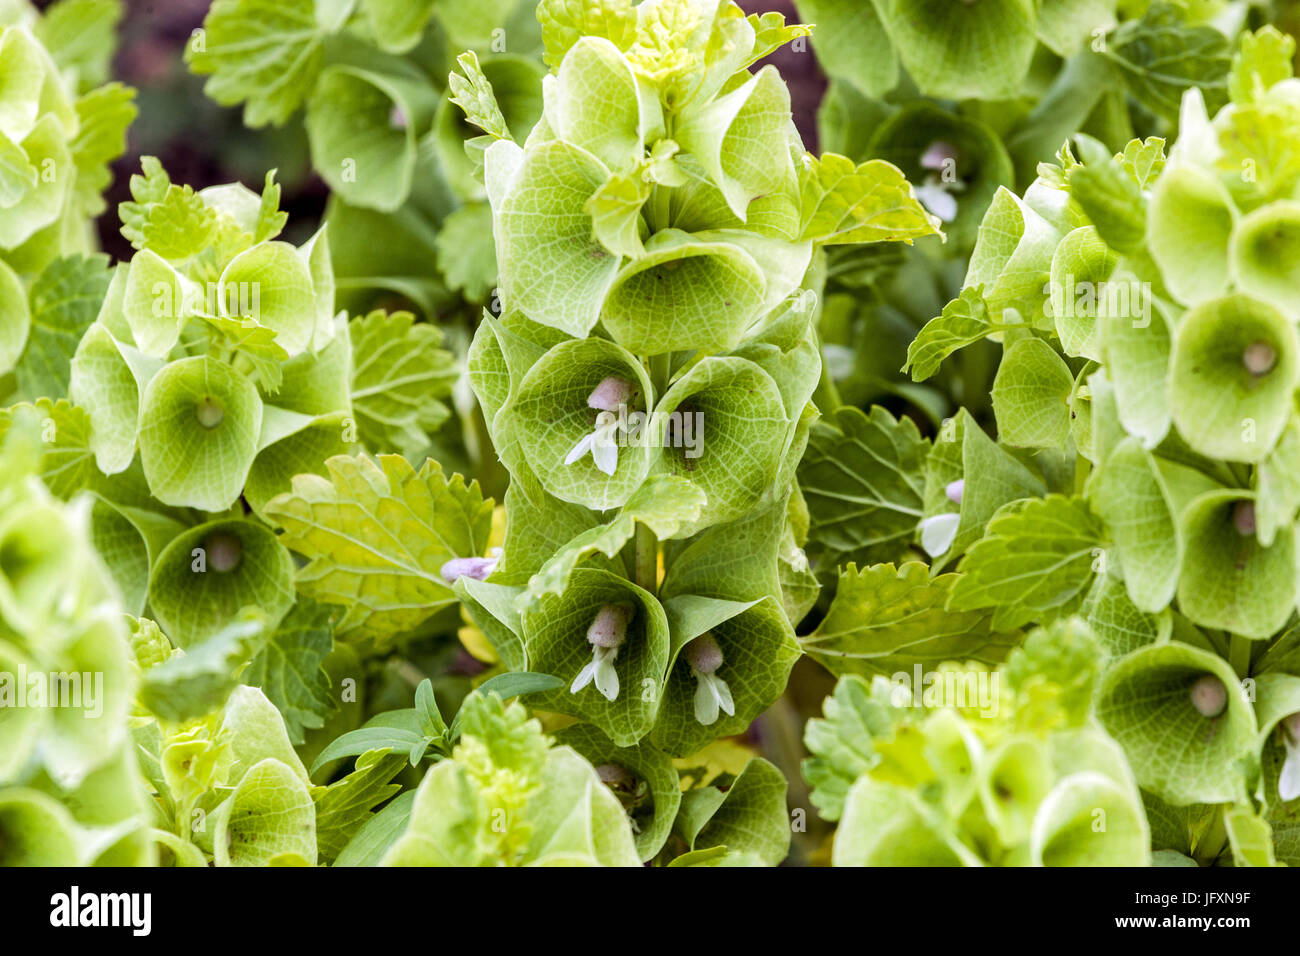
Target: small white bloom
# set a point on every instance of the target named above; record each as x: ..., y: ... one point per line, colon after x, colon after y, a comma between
x: 610, y: 394
x: 937, y: 200
x: 712, y: 694
x: 476, y: 568
x: 1288, y: 781
x: 939, y: 153
x: 938, y: 532
x: 954, y: 490
x: 602, y: 443
x: 605, y: 635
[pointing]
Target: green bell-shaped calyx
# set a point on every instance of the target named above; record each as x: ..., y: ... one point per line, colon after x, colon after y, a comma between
x: 199, y: 427
x: 1233, y: 373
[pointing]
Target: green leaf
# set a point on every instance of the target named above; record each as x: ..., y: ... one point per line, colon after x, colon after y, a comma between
x: 1161, y: 55
x: 399, y: 378
x: 1035, y: 560
x: 466, y: 255
x: 377, y: 534
x: 964, y: 321
x: 564, y: 22
x: 289, y: 668
x: 1137, y: 344
x: 198, y: 681
x: 863, y: 478
x: 346, y: 805
x: 65, y: 299
x: 771, y: 32
x: 841, y: 742
x: 473, y: 93
x: 1119, y: 624
x: 1031, y: 396
x: 373, y: 838
x: 873, y: 202
x: 377, y: 739
x: 1109, y: 196
x: 81, y: 37
x: 884, y: 620
x: 1277, y: 486
x: 103, y: 117
x: 615, y: 210
x: 264, y: 53
x: 1263, y: 59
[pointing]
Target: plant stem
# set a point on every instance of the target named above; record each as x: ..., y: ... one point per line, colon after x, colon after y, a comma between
x: 647, y: 559
x: 661, y: 370
x: 1239, y: 655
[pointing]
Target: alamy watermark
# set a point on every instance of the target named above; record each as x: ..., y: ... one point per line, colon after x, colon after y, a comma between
x: 966, y: 689
x: 65, y: 690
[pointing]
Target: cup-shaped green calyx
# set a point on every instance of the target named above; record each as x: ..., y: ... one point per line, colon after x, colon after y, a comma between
x: 199, y: 426
x: 556, y: 642
x: 946, y: 154
x: 1189, y: 225
x: 1265, y: 255
x: 15, y: 319
x: 37, y: 830
x: 273, y: 283
x: 553, y: 268
x: 684, y: 294
x: 34, y: 544
x: 642, y: 778
x: 1229, y: 579
x: 551, y: 416
x: 363, y: 126
x: 1235, y: 366
x: 1066, y: 833
x: 963, y: 50
x: 1153, y: 702
x: 206, y: 575
x: 757, y: 649
x: 724, y: 427
x: 1081, y: 268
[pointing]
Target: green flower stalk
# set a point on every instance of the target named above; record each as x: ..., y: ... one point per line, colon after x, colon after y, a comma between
x: 648, y: 379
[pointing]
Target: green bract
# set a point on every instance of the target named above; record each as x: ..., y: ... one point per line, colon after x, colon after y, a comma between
x: 1149, y: 372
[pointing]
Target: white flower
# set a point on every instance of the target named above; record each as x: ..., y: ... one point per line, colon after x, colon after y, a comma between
x: 954, y: 490
x: 605, y: 635
x: 938, y: 532
x: 610, y: 394
x: 602, y: 443
x: 1288, y: 781
x: 937, y: 199
x: 711, y: 693
x: 476, y: 568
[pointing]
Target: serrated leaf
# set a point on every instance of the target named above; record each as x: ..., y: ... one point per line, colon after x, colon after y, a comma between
x: 289, y: 668
x: 1035, y: 560
x: 964, y: 321
x: 263, y: 53
x: 64, y: 300
x: 884, y: 620
x: 376, y: 534
x: 347, y: 804
x: 399, y: 378
x: 863, y: 478
x: 871, y: 202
